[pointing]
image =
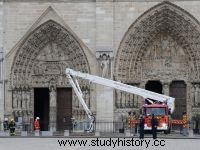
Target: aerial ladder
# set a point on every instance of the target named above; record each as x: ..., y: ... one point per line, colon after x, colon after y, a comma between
x: 149, y: 95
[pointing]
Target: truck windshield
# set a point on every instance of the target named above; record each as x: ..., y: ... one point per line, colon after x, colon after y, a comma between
x: 155, y: 111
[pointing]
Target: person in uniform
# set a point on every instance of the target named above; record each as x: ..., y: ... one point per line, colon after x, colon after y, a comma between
x: 37, y: 124
x: 141, y: 126
x: 154, y: 124
x: 12, y: 127
x: 5, y: 124
x: 133, y: 123
x: 184, y: 121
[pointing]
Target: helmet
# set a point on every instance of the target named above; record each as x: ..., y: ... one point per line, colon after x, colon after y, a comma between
x: 37, y: 118
x: 6, y: 119
x: 11, y: 119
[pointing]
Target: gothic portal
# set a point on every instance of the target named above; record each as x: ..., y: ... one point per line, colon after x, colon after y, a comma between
x: 161, y: 45
x: 38, y: 82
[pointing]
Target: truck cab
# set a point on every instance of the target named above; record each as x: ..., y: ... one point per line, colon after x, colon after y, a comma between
x: 161, y: 113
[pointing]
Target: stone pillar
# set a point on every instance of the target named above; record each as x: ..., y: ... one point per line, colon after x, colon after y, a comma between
x: 104, y: 97
x: 196, y: 95
x: 105, y: 109
x: 192, y: 94
x: 140, y: 99
x: 52, y: 109
x: 117, y: 98
x: 1, y: 104
x: 190, y: 100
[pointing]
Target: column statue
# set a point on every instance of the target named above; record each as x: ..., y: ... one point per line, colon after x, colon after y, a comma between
x: 104, y: 66
x: 52, y: 112
x: 196, y: 95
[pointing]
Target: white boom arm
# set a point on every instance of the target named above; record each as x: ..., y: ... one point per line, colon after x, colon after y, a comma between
x: 116, y: 85
x: 74, y: 83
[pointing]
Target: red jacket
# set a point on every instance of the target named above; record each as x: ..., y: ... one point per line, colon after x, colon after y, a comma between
x: 36, y: 125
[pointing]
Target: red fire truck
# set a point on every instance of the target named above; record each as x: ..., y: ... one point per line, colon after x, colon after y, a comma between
x: 161, y: 113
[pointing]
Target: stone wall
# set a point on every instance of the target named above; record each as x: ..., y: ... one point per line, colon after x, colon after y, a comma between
x: 99, y: 26
x: 1, y: 64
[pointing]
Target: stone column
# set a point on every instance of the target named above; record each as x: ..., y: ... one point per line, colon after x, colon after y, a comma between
x: 104, y: 96
x: 140, y: 99
x: 196, y: 95
x: 52, y: 109
x: 192, y: 94
x: 190, y: 99
x: 105, y: 109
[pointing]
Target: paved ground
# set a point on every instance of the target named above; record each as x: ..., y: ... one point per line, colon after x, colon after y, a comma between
x: 107, y: 142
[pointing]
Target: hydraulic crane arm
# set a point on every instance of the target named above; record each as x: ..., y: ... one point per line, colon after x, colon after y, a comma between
x: 71, y: 74
x: 124, y: 87
x: 74, y: 83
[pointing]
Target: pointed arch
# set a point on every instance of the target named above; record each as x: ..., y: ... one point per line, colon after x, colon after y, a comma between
x: 164, y: 17
x: 27, y: 56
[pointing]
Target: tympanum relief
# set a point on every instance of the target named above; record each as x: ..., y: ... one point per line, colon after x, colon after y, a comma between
x: 165, y: 60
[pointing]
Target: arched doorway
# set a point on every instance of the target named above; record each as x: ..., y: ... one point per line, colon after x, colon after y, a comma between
x: 158, y: 46
x: 41, y: 107
x: 178, y: 91
x: 38, y: 76
x: 154, y: 86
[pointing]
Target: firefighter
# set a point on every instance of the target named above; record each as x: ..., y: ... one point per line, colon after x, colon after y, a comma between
x: 136, y: 124
x: 141, y: 126
x: 154, y: 124
x: 5, y: 124
x: 184, y: 121
x: 133, y: 124
x: 12, y: 127
x: 129, y: 120
x: 37, y: 124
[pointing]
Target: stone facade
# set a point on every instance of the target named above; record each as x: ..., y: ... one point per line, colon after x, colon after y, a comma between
x: 132, y: 41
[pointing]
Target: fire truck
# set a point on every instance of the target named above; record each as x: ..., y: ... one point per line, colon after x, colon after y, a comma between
x: 158, y: 104
x: 161, y: 112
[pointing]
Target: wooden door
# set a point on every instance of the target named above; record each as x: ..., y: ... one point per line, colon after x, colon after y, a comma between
x: 64, y: 109
x: 178, y: 91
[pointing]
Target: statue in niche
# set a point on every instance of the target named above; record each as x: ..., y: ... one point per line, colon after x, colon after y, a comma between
x: 23, y: 99
x: 27, y: 100
x: 15, y: 97
x: 165, y: 46
x: 156, y: 51
x: 52, y: 96
x: 19, y: 100
x: 39, y: 69
x: 104, y: 66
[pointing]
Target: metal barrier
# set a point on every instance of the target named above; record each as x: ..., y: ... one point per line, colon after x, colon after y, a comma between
x: 109, y: 127
x: 82, y: 126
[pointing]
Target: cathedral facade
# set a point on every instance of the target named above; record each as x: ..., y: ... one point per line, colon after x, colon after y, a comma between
x: 151, y: 44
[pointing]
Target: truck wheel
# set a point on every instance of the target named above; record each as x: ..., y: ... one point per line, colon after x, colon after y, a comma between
x: 167, y: 131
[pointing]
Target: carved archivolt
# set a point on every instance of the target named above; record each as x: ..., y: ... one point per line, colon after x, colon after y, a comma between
x: 175, y: 31
x: 45, y: 55
x: 41, y: 62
